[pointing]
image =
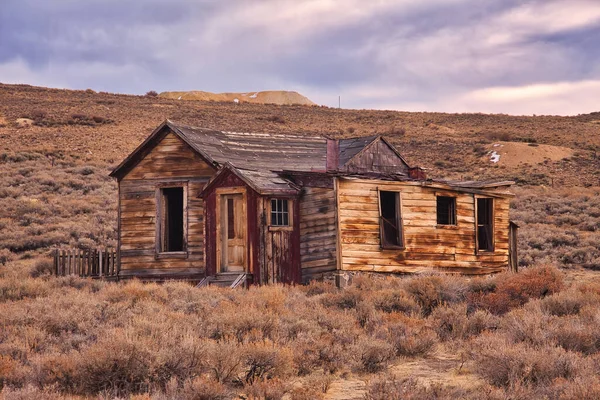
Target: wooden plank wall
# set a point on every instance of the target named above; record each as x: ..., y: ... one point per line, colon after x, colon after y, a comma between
x: 377, y: 157
x: 427, y: 246
x: 281, y: 248
x: 317, y: 232
x: 170, y: 161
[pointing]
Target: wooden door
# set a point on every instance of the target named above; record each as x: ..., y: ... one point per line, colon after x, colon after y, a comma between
x: 233, y: 233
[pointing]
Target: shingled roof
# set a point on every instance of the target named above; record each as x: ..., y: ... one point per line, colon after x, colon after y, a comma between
x: 351, y: 147
x: 251, y: 151
x: 263, y: 182
x: 259, y: 151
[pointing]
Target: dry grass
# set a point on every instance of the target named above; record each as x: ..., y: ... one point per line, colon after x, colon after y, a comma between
x: 68, y: 336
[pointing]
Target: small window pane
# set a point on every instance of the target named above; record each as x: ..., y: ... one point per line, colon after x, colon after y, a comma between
x: 279, y: 212
x: 446, y: 210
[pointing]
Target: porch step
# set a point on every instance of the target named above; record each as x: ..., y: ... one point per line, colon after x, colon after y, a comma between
x: 225, y: 279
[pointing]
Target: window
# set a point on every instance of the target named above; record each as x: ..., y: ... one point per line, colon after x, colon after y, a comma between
x: 446, y: 210
x: 171, y: 220
x: 390, y: 223
x: 280, y: 215
x: 485, y: 224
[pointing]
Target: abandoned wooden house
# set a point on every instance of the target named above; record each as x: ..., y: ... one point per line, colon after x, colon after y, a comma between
x: 197, y: 203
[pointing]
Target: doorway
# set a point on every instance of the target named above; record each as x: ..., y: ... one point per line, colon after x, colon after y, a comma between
x: 232, y: 233
x: 485, y: 224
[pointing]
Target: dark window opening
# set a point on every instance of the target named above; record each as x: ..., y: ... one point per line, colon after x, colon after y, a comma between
x: 280, y: 215
x: 485, y: 224
x: 230, y: 220
x: 446, y: 210
x: 390, y: 223
x: 172, y: 219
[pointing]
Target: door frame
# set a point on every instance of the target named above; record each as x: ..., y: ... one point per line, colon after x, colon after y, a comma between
x: 219, y: 193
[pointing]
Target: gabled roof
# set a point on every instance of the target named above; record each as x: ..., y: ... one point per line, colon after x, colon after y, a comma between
x: 263, y: 182
x: 253, y: 151
x: 350, y: 148
x: 260, y: 151
x: 257, y: 151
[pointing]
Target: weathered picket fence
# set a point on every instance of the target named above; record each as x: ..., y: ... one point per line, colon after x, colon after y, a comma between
x: 95, y: 263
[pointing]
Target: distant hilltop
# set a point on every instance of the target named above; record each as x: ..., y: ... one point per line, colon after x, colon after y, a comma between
x: 281, y: 97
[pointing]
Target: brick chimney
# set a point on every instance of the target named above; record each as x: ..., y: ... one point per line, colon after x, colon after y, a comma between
x: 333, y: 154
x: 417, y: 173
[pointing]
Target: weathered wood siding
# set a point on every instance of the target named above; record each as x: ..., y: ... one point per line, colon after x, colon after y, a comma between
x: 378, y: 157
x: 317, y: 232
x: 281, y: 247
x: 170, y: 161
x: 427, y: 245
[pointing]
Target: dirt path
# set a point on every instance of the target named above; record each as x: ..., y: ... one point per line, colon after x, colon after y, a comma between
x: 440, y: 368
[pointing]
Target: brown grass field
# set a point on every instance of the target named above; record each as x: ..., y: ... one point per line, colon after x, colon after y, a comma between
x: 524, y: 336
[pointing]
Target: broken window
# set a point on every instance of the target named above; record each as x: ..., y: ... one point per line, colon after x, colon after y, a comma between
x: 280, y: 215
x: 172, y: 219
x: 485, y: 224
x: 446, y: 210
x: 390, y: 224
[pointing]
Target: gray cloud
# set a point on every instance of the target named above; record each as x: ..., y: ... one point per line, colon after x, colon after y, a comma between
x: 439, y: 55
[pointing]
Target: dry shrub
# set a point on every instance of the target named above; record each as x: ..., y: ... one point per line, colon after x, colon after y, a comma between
x: 6, y: 256
x: 116, y: 364
x: 42, y: 267
x: 434, y: 290
x: 390, y: 387
x: 481, y: 321
x: 224, y: 361
x: 527, y: 325
x: 343, y: 299
x: 568, y: 302
x: 576, y: 334
x: 324, y: 354
x: 273, y: 389
x: 203, y: 388
x: 31, y: 392
x: 372, y: 355
x: 264, y: 361
x: 450, y: 322
x: 391, y: 300
x: 506, y: 364
x: 411, y: 341
x: 514, y: 290
x: 314, y: 387
x: 315, y: 288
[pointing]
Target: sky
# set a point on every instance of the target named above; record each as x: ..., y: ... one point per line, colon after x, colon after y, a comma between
x: 494, y: 56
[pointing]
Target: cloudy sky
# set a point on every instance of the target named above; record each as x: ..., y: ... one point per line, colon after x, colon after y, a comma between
x: 500, y: 56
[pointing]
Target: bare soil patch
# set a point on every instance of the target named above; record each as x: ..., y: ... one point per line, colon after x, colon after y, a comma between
x: 513, y: 154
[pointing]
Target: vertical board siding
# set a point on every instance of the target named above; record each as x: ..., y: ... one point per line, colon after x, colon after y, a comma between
x: 377, y: 157
x: 317, y: 232
x: 427, y: 246
x: 170, y: 161
x: 95, y: 263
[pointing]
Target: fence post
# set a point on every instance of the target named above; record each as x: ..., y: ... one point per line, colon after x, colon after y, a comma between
x: 100, y: 262
x: 56, y: 262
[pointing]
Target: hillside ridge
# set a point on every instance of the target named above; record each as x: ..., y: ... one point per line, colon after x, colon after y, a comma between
x: 280, y: 97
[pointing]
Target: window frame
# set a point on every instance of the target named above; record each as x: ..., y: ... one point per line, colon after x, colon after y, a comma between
x: 399, y: 221
x: 160, y: 217
x: 454, y: 217
x: 290, y: 211
x: 492, y: 225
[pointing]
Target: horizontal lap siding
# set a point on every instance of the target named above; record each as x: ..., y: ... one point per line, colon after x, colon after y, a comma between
x: 427, y: 246
x: 317, y: 232
x: 170, y: 160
